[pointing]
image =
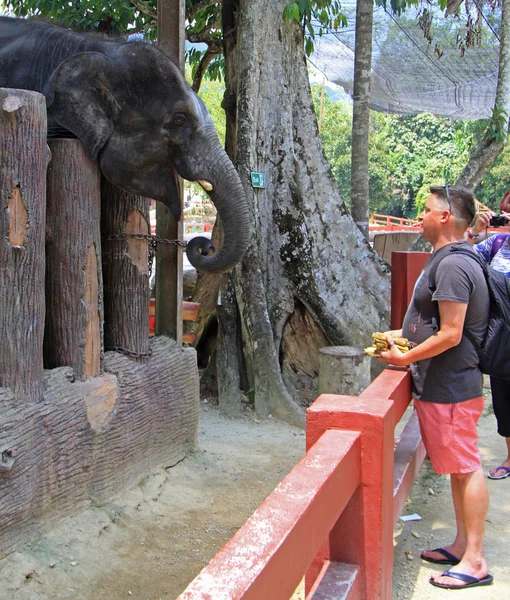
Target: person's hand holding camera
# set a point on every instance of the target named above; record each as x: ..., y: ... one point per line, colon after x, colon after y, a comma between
x: 489, y: 219
x: 502, y: 220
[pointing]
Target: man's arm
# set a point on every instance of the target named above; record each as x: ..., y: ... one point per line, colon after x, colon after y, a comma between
x: 451, y: 317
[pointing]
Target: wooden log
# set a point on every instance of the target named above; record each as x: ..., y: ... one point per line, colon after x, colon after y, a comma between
x: 126, y: 270
x: 169, y: 278
x: 343, y: 370
x: 74, y: 311
x: 24, y: 158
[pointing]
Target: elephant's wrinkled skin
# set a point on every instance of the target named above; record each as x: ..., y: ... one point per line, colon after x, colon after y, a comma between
x: 132, y: 109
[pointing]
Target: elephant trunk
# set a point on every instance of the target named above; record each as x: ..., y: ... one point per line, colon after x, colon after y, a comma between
x: 228, y: 197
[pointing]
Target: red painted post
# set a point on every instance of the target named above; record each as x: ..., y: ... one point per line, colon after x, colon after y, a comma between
x: 267, y: 557
x: 392, y: 384
x: 364, y: 533
x: 405, y: 269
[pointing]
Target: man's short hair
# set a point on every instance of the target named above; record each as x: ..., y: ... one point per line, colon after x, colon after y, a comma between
x: 462, y: 201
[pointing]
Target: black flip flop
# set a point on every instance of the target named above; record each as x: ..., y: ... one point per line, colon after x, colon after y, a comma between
x: 468, y: 580
x: 449, y: 558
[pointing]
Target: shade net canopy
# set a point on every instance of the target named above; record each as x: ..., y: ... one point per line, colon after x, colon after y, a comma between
x: 411, y: 74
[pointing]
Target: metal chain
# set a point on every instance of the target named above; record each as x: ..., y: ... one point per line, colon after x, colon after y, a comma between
x: 130, y: 353
x: 153, y: 240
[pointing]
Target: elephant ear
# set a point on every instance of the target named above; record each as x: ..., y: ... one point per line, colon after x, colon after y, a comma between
x: 79, y: 98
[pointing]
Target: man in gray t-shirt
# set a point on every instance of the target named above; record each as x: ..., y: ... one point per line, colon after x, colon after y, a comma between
x: 446, y: 379
x: 452, y: 376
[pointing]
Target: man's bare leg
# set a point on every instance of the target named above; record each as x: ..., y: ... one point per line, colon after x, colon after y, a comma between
x: 495, y: 472
x: 471, y: 500
x: 458, y: 546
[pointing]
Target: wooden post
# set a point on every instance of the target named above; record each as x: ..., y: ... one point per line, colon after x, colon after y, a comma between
x: 171, y: 16
x: 74, y: 311
x: 405, y: 270
x: 363, y: 535
x: 126, y: 270
x: 343, y: 370
x: 24, y: 158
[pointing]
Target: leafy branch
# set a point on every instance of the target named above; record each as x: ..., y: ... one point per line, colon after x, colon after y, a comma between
x: 498, y: 124
x: 315, y: 16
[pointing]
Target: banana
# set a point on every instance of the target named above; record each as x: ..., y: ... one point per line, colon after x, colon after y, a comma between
x: 380, y: 344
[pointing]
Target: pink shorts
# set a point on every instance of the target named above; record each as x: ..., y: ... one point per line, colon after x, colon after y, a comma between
x: 449, y: 434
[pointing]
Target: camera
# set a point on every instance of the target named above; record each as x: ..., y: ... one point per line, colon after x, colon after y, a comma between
x: 498, y: 221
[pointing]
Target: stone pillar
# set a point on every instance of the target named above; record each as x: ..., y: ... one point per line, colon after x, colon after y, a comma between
x: 343, y: 370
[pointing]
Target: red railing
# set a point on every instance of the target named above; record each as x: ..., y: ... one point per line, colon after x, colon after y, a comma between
x: 389, y: 223
x: 332, y: 518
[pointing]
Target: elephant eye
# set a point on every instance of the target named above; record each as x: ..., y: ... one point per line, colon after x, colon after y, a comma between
x: 176, y: 121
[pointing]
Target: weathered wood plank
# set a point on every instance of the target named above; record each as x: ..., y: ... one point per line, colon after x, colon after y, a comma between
x: 125, y: 268
x: 24, y: 158
x: 88, y: 440
x: 74, y: 310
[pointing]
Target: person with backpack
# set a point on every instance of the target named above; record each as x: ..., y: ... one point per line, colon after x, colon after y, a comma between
x: 495, y: 252
x: 446, y: 376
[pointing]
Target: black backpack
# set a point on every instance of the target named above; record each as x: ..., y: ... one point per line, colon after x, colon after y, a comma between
x: 494, y: 351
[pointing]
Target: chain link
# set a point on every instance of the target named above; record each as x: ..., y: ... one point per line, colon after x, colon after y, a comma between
x: 129, y: 353
x: 153, y: 240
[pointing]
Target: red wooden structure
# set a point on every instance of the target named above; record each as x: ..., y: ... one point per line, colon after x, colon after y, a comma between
x: 389, y: 223
x: 405, y: 269
x: 189, y: 313
x: 331, y: 519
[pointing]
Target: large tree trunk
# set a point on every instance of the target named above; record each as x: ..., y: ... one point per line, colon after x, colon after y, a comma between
x: 361, y: 115
x: 484, y: 155
x: 307, y: 255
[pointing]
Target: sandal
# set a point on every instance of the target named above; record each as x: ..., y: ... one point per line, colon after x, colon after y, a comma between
x: 449, y: 558
x: 468, y: 580
x: 500, y: 468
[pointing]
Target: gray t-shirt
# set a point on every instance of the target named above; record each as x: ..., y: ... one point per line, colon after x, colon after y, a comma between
x: 454, y: 375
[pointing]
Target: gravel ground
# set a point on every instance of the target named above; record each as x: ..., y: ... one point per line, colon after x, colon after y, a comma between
x: 151, y: 541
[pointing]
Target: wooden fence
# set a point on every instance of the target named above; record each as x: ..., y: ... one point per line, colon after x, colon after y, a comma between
x: 331, y: 519
x: 88, y: 403
x: 389, y: 223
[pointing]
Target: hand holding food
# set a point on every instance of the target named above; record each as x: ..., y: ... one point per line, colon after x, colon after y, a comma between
x: 381, y: 344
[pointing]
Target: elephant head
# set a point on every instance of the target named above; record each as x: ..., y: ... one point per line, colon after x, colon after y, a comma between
x: 135, y: 113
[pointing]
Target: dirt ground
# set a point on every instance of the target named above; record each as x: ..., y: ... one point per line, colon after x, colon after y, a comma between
x: 150, y: 542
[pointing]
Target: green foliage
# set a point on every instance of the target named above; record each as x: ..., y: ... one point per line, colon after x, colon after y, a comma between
x: 114, y: 17
x: 496, y: 181
x: 204, y: 25
x: 211, y: 93
x: 123, y: 17
x: 498, y: 126
x: 336, y: 134
x: 326, y: 14
x: 407, y: 154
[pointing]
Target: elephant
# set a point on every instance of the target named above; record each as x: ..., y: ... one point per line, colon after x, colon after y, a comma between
x: 132, y: 109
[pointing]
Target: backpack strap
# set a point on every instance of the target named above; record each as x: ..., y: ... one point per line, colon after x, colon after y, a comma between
x: 496, y: 245
x: 432, y: 283
x: 458, y: 250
